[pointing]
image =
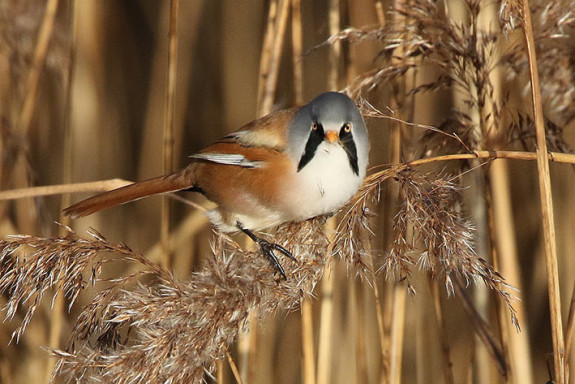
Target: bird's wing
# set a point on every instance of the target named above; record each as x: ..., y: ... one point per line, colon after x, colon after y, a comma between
x: 251, y: 165
x: 269, y: 131
x: 246, y: 146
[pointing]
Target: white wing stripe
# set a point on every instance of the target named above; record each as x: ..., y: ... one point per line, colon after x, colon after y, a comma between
x: 229, y: 159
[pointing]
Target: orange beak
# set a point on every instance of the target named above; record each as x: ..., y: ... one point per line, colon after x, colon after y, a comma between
x: 331, y: 136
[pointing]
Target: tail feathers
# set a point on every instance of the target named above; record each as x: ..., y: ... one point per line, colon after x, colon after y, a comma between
x: 132, y: 192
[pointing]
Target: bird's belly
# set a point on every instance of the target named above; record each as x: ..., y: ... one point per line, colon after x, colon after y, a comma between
x: 325, y: 184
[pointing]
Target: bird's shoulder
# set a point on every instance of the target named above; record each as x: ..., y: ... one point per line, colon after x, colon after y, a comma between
x: 269, y: 131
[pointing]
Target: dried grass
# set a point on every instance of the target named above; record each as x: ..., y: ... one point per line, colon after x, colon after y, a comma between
x: 430, y: 230
x: 465, y: 57
x: 149, y: 326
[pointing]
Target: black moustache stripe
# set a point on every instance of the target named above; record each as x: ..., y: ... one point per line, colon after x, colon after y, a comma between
x: 351, y: 151
x: 316, y: 137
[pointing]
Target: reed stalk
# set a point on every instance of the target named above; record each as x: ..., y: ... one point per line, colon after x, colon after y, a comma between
x: 519, y: 348
x: 57, y: 319
x: 325, y: 332
x: 269, y: 71
x: 446, y: 361
x: 168, y: 126
x: 569, y: 332
x: 38, y: 62
x: 546, y: 202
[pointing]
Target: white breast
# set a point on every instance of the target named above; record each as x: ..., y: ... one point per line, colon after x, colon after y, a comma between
x: 325, y: 184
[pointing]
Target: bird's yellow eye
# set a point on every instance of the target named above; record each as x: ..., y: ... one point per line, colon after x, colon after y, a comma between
x: 347, y: 128
x: 314, y: 126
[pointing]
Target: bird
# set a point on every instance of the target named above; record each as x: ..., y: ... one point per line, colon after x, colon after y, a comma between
x: 288, y: 166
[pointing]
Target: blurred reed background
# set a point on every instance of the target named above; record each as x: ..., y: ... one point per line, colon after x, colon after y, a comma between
x: 98, y: 90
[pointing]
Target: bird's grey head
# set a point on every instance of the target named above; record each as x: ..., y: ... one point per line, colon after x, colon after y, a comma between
x: 331, y: 117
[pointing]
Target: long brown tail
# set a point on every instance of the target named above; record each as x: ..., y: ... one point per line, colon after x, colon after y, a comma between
x: 157, y: 185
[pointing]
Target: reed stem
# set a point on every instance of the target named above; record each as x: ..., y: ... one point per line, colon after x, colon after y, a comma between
x: 546, y: 202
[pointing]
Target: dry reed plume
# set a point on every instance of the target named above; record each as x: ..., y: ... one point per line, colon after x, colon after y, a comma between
x: 149, y: 326
x: 430, y: 231
x: 466, y: 58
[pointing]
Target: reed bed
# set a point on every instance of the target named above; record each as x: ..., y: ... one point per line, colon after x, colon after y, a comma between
x: 452, y: 264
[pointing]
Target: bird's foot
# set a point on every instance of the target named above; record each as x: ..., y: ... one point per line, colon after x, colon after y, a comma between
x: 268, y: 249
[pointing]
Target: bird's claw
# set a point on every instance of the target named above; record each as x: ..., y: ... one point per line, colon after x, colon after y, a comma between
x: 268, y: 249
